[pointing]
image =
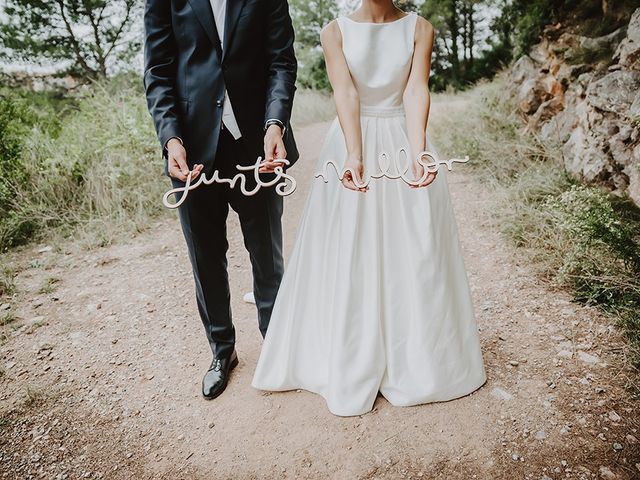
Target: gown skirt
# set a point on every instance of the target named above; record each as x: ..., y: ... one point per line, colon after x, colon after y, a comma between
x: 375, y: 297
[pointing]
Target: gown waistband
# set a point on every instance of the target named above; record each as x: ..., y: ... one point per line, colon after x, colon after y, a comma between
x: 375, y: 111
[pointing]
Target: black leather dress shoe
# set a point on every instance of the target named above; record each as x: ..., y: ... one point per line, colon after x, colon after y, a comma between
x: 216, y: 378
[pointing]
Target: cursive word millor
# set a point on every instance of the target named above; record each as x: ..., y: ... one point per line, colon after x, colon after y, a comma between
x: 285, y: 184
x: 385, y: 168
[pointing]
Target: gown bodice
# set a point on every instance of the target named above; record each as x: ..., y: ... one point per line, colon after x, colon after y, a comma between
x: 379, y: 58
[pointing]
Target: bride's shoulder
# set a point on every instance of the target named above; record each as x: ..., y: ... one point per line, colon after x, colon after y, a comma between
x: 331, y: 33
x: 424, y: 26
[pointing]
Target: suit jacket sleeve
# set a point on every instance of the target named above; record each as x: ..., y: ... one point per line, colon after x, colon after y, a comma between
x: 282, y: 64
x: 160, y: 53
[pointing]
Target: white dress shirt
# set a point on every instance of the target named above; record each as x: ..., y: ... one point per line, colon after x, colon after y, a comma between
x: 219, y: 8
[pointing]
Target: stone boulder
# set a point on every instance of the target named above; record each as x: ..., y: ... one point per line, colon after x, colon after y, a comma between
x: 634, y: 109
x: 568, y: 91
x: 523, y: 69
x: 628, y: 52
x: 583, y: 156
x: 531, y: 94
x: 605, y: 43
x: 615, y: 92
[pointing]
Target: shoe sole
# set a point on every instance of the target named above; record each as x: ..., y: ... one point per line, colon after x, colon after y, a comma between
x: 233, y: 365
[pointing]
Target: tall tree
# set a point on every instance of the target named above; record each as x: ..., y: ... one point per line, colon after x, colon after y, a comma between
x: 455, y: 61
x: 88, y: 37
x: 309, y: 17
x: 444, y: 16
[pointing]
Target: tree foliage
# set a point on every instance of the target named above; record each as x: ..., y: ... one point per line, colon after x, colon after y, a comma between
x: 526, y: 20
x: 89, y: 37
x: 457, y: 59
x: 309, y: 17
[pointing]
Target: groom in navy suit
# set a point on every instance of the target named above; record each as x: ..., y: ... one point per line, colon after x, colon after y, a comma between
x: 220, y: 80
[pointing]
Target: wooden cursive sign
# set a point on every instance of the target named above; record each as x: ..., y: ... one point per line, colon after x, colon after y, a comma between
x: 385, y: 168
x: 285, y: 184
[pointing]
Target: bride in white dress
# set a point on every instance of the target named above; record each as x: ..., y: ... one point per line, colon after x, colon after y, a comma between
x: 375, y: 297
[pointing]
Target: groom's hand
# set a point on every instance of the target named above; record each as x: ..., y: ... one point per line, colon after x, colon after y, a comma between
x: 273, y: 149
x: 177, y: 158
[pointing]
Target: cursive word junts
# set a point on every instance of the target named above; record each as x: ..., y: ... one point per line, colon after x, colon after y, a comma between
x: 386, y: 168
x: 285, y: 184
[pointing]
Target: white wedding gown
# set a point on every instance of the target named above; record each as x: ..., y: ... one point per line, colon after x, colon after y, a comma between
x: 375, y: 297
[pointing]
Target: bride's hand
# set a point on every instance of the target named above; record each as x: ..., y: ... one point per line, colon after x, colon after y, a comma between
x: 418, y: 174
x: 353, y: 174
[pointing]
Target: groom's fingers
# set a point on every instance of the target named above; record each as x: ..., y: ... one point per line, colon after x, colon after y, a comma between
x: 197, y: 170
x: 178, y: 167
x: 269, y: 167
x: 182, y: 163
x: 280, y: 151
x: 274, y: 149
x: 176, y: 172
x: 269, y: 149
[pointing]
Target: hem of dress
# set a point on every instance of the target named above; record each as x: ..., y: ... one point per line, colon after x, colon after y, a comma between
x: 476, y: 386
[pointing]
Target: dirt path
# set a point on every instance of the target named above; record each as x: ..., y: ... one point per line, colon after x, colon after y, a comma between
x: 102, y: 377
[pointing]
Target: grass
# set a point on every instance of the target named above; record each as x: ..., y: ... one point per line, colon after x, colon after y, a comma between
x: 48, y: 286
x: 579, y: 237
x: 96, y: 176
x: 580, y: 55
x: 35, y: 325
x: 311, y: 106
x: 7, y: 282
x: 7, y: 318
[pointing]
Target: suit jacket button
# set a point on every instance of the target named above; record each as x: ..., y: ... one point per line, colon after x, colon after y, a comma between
x: 218, y: 103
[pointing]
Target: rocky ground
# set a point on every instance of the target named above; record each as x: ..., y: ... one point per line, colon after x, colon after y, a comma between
x: 100, y: 375
x: 583, y: 95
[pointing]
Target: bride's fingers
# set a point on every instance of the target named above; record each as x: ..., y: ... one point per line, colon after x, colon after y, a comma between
x: 359, y: 183
x: 429, y: 180
x: 350, y: 185
x: 352, y: 179
x: 347, y: 181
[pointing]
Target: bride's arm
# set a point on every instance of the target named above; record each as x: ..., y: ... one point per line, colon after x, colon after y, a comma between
x: 416, y: 97
x: 347, y: 102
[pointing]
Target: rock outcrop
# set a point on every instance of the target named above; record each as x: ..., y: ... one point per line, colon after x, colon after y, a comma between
x: 583, y: 94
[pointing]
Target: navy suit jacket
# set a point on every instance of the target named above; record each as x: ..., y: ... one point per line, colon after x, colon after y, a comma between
x: 186, y: 72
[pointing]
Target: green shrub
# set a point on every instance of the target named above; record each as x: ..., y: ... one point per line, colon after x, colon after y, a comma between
x: 22, y: 114
x: 312, y: 73
x: 99, y: 173
x: 15, y: 122
x: 602, y: 259
x: 7, y: 279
